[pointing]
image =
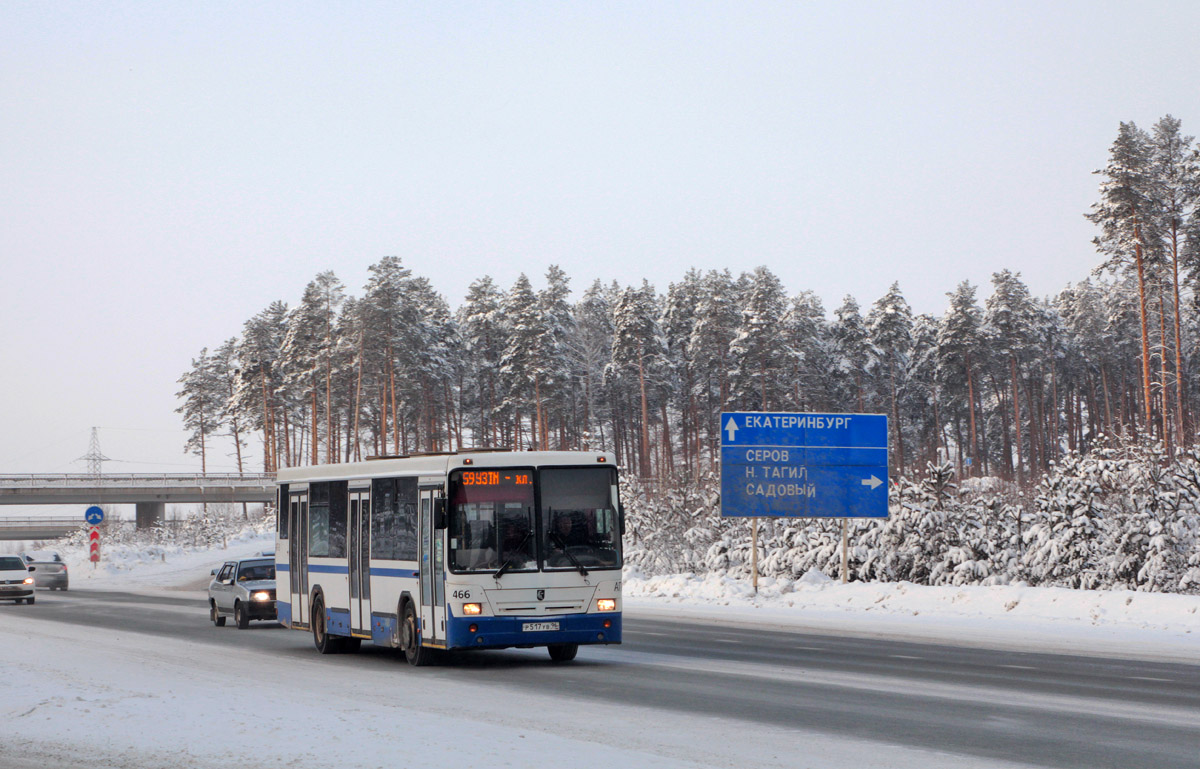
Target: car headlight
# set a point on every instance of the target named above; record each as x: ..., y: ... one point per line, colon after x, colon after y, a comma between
x: 261, y: 595
x: 29, y: 580
x: 472, y: 608
x: 606, y: 604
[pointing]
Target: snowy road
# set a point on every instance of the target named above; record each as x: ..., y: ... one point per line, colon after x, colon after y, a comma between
x: 143, y: 680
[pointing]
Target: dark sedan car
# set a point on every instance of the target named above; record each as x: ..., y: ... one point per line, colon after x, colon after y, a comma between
x: 48, y: 569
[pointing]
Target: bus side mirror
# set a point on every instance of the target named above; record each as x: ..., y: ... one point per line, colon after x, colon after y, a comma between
x: 621, y: 523
x: 439, y: 513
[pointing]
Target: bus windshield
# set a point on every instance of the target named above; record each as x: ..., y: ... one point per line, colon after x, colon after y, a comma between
x: 579, y: 518
x: 491, y: 520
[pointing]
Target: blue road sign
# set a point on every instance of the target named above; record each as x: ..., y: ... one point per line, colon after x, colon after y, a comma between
x: 93, y: 515
x: 804, y: 465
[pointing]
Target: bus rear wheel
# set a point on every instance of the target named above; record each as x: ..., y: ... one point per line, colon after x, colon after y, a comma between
x: 325, y: 643
x: 410, y: 639
x: 563, y: 652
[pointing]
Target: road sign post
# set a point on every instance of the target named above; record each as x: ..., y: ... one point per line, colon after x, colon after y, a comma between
x: 786, y: 465
x: 94, y: 516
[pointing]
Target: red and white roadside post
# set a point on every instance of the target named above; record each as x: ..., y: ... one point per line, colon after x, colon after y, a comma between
x: 94, y: 545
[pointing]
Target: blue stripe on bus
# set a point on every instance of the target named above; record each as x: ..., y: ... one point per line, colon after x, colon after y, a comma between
x: 378, y: 572
x: 322, y: 568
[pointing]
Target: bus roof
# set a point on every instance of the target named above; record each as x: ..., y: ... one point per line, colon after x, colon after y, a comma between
x: 440, y: 464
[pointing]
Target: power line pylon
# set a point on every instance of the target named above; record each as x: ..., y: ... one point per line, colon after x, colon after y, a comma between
x: 94, y: 457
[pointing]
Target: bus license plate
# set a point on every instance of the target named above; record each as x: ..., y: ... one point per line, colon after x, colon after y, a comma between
x: 533, y: 627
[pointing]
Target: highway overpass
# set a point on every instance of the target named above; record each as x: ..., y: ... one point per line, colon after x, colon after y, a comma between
x: 149, y: 492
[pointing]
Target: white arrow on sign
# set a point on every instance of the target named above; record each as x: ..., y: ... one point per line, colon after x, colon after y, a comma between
x: 732, y: 428
x: 873, y: 482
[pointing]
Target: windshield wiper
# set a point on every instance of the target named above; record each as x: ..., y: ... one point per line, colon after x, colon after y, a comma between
x: 559, y: 541
x: 503, y: 568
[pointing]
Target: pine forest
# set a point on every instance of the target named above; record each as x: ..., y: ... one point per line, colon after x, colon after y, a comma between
x: 1046, y: 440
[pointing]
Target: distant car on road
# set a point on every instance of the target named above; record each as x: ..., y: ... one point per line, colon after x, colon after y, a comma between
x: 242, y: 589
x: 15, y: 582
x: 48, y: 569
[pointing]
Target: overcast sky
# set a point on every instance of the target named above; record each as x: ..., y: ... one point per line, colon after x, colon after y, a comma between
x: 169, y: 169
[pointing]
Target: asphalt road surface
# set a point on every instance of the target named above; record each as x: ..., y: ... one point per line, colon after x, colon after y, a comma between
x: 1032, y: 708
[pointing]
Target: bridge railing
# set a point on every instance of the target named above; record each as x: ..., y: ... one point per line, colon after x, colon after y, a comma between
x: 20, y: 523
x: 44, y: 480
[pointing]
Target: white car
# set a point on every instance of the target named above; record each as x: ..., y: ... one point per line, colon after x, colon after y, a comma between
x: 16, y: 584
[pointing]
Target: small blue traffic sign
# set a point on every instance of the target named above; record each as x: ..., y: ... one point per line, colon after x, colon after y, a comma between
x: 804, y: 465
x: 93, y: 515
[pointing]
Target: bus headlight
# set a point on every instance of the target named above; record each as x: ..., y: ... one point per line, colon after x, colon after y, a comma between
x: 606, y: 604
x: 261, y: 596
x: 472, y: 608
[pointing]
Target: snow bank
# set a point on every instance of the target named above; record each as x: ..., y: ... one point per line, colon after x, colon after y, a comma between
x: 1110, y: 622
x: 170, y: 566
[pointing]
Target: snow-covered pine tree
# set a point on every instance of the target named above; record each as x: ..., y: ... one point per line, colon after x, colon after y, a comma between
x: 256, y: 398
x: 224, y: 371
x: 1174, y: 197
x: 852, y: 355
x: 814, y: 387
x: 386, y: 314
x: 203, y: 397
x: 1009, y: 334
x: 679, y: 318
x: 592, y: 344
x: 483, y: 344
x: 959, y: 339
x: 889, y: 329
x: 518, y: 364
x: 555, y: 368
x: 713, y: 331
x: 432, y: 345
x: 636, y: 372
x: 759, y: 363
x: 306, y: 356
x: 1122, y: 213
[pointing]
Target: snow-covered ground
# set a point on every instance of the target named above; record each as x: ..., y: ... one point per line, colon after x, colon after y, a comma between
x: 74, y: 696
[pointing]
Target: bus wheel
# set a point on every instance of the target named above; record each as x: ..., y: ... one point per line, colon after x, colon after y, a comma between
x: 325, y: 643
x: 563, y: 652
x: 416, y: 654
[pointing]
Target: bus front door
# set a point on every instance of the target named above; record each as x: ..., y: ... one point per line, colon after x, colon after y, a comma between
x: 433, y: 583
x: 359, y: 549
x: 298, y: 559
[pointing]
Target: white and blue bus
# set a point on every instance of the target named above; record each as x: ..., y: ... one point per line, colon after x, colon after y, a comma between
x: 471, y: 550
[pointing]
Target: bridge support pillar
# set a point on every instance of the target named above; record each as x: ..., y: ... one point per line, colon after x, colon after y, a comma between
x: 149, y: 513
